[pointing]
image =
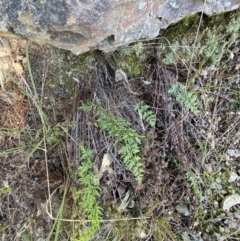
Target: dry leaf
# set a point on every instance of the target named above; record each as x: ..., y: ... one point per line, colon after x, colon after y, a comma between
x: 125, y: 202
x: 231, y: 55
x: 237, y: 67
x: 120, y: 75
x: 204, y: 73
x: 106, y: 162
x: 18, y: 68
x: 146, y: 82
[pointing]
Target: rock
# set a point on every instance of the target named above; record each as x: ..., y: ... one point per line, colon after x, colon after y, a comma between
x: 215, y: 185
x: 233, y: 225
x: 208, y: 168
x: 230, y: 201
x: 233, y: 177
x: 233, y: 153
x: 183, y: 209
x: 80, y: 26
x: 237, y: 214
x: 186, y: 237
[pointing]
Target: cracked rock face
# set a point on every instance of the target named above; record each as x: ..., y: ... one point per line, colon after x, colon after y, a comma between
x: 83, y: 25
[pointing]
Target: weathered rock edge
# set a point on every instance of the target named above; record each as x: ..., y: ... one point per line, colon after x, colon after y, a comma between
x: 83, y: 25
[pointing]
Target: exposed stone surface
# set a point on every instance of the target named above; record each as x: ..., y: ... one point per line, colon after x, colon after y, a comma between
x: 82, y: 25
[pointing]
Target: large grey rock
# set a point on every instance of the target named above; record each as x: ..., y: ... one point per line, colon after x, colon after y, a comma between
x: 82, y: 25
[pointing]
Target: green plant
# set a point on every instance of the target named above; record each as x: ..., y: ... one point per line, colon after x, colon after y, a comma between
x: 3, y: 228
x: 89, y: 194
x: 131, y: 59
x: 171, y: 52
x: 211, y: 48
x: 26, y: 237
x: 126, y: 137
x: 163, y: 230
x: 184, y: 97
x: 195, y: 181
x: 145, y: 113
x: 5, y: 190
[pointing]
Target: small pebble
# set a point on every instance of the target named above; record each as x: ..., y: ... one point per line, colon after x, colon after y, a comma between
x: 183, y: 209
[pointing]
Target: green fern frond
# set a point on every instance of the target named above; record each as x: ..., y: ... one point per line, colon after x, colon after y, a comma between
x: 87, y: 107
x: 89, y: 194
x: 146, y: 113
x: 187, y: 99
x: 128, y: 140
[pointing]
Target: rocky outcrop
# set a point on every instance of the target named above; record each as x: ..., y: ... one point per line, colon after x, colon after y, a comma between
x: 82, y: 25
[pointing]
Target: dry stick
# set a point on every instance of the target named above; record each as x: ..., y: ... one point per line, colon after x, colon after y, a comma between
x: 211, y: 128
x: 47, y: 171
x: 37, y: 103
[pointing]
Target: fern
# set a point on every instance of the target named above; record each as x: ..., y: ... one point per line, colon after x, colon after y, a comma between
x: 125, y: 137
x: 187, y: 99
x: 89, y: 194
x: 128, y: 139
x: 145, y: 113
x: 87, y: 107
